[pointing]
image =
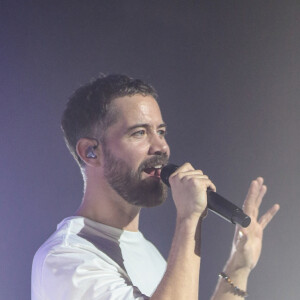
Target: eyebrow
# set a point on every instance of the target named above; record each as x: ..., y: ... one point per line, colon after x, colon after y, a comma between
x: 145, y: 125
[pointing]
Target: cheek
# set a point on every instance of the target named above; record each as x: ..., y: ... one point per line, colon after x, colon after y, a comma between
x: 136, y: 153
x: 132, y: 153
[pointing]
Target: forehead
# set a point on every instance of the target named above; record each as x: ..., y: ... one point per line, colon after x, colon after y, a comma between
x: 130, y: 110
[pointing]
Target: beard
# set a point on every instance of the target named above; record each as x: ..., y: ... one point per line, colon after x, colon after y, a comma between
x: 148, y: 192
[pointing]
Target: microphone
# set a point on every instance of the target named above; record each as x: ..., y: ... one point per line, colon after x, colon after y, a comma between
x: 215, y: 202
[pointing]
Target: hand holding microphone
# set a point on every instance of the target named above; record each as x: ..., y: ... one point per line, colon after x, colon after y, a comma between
x: 189, y: 188
x: 215, y: 202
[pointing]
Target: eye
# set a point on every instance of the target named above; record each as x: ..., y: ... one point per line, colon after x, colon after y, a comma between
x: 162, y: 132
x: 139, y: 133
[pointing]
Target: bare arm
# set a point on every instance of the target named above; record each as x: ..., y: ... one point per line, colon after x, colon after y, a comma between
x: 181, y: 279
x: 247, y: 244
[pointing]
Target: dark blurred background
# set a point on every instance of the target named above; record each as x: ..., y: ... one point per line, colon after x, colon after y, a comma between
x: 227, y: 73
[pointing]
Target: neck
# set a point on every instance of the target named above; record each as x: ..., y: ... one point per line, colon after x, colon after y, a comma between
x: 104, y: 205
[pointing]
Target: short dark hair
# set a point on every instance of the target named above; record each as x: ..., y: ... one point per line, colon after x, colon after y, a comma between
x: 87, y: 111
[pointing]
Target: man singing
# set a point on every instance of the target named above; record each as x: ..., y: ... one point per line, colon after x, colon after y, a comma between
x: 114, y: 129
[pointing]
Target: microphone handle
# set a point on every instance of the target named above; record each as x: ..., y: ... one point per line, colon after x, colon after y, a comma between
x: 227, y: 210
x: 216, y: 203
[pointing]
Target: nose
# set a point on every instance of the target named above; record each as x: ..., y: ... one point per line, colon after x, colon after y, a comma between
x: 158, y: 145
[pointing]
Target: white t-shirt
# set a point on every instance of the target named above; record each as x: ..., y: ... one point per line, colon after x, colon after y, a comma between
x: 87, y: 260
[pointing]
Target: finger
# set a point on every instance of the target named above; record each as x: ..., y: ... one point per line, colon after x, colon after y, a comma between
x: 261, y: 194
x: 185, y: 167
x: 250, y: 206
x: 260, y: 180
x: 191, y: 175
x: 182, y: 176
x: 191, y: 172
x: 198, y: 179
x: 268, y: 216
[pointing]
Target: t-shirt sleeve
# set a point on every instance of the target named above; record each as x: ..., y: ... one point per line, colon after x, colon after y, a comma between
x: 77, y: 274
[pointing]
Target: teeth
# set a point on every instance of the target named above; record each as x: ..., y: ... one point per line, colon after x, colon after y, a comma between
x: 158, y: 167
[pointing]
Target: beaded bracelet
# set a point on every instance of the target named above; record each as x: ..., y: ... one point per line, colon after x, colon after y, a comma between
x: 236, y: 290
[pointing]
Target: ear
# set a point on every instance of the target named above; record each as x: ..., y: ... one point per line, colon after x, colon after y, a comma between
x: 88, y: 150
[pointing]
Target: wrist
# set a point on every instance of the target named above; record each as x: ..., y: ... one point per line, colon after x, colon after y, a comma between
x: 238, y: 274
x: 188, y: 221
x: 237, y: 266
x: 188, y: 225
x: 231, y: 287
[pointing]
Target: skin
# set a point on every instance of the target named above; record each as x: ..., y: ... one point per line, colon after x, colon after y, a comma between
x: 138, y: 134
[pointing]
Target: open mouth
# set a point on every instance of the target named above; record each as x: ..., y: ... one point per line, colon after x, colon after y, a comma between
x: 154, y: 171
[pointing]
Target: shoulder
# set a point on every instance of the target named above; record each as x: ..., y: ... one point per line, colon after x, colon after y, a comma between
x: 72, y: 241
x: 67, y: 257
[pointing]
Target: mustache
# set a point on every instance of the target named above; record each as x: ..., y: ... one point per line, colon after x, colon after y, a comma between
x: 159, y: 159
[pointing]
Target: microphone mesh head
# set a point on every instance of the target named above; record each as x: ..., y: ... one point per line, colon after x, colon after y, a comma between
x: 166, y: 172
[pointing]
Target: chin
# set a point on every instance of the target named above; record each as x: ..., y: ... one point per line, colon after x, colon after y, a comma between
x: 153, y: 193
